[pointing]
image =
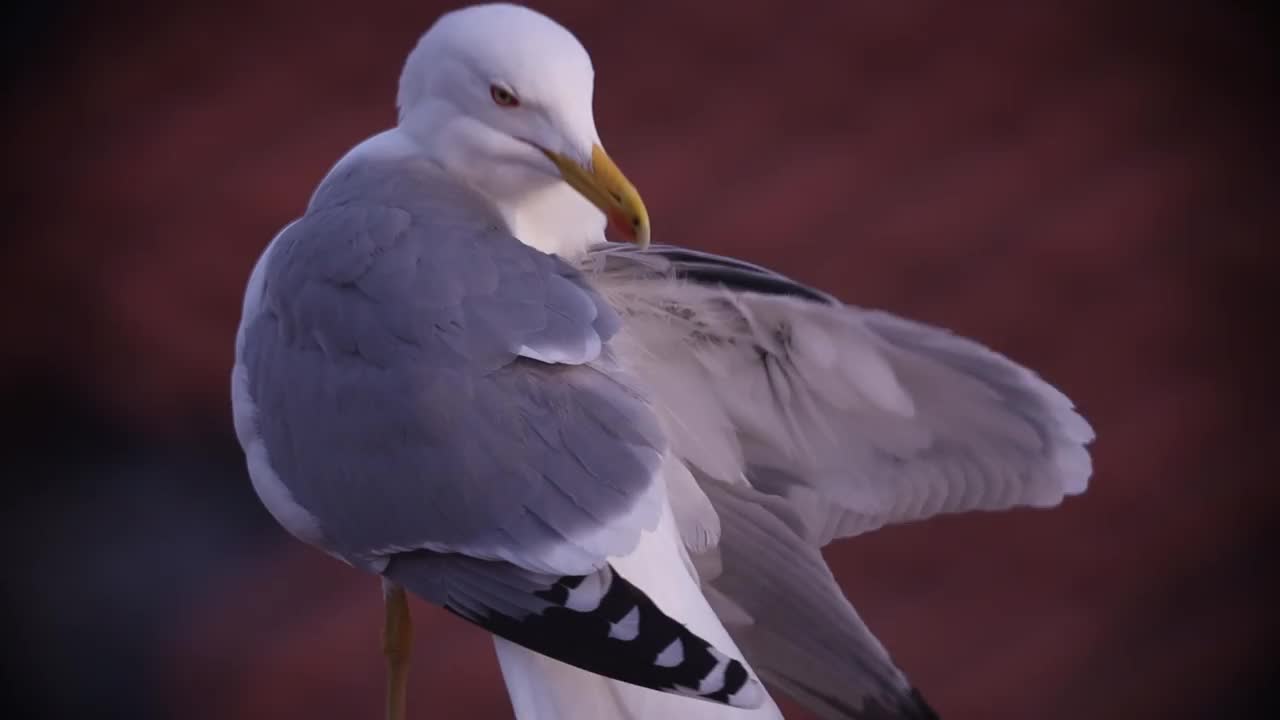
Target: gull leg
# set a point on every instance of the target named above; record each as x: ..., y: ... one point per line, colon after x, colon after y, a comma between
x: 397, y: 639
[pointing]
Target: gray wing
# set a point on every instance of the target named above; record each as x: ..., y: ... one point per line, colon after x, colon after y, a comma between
x: 399, y: 401
x: 858, y: 418
x: 806, y: 420
x: 426, y: 397
x: 781, y: 604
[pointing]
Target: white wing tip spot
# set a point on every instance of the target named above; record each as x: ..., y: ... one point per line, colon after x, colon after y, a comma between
x: 714, y: 681
x: 671, y: 656
x: 628, y: 628
x: 750, y: 696
x: 589, y: 593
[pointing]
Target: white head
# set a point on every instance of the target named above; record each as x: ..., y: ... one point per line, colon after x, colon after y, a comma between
x: 500, y: 96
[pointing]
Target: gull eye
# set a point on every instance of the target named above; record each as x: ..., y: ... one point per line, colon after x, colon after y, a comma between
x: 503, y: 96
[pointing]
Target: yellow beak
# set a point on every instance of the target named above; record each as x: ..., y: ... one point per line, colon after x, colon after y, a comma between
x: 604, y: 186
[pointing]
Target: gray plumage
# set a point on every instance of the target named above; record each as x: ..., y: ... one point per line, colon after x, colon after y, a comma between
x: 403, y: 317
x: 438, y: 403
x: 803, y: 637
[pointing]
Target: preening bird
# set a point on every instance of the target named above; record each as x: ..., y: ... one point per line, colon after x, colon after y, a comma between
x: 621, y: 459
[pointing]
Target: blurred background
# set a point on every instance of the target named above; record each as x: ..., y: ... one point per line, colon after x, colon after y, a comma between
x: 1087, y: 186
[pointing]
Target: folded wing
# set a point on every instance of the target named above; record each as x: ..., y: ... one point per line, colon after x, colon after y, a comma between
x: 426, y: 397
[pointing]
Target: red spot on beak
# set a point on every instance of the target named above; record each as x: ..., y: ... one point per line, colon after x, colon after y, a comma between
x: 621, y: 224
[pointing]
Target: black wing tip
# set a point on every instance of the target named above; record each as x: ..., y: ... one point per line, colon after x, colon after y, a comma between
x: 622, y: 637
x: 886, y: 704
x: 917, y: 708
x: 710, y: 269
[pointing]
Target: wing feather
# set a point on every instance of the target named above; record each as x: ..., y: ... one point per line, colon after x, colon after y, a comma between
x: 858, y: 417
x: 806, y: 420
x: 792, y: 620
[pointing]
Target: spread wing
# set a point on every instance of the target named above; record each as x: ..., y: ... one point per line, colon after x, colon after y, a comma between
x: 806, y: 420
x: 858, y: 418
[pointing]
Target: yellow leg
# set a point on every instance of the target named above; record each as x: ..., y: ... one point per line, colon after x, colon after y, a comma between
x: 397, y: 639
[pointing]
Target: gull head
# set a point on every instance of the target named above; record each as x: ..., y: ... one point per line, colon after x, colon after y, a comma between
x: 500, y: 97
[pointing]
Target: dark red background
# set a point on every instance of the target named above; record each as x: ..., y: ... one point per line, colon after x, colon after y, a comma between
x: 1087, y: 186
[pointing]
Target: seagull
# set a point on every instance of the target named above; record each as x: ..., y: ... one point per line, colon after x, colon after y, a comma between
x: 622, y: 459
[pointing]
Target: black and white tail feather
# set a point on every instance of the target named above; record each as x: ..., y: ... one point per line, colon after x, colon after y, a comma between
x: 600, y: 623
